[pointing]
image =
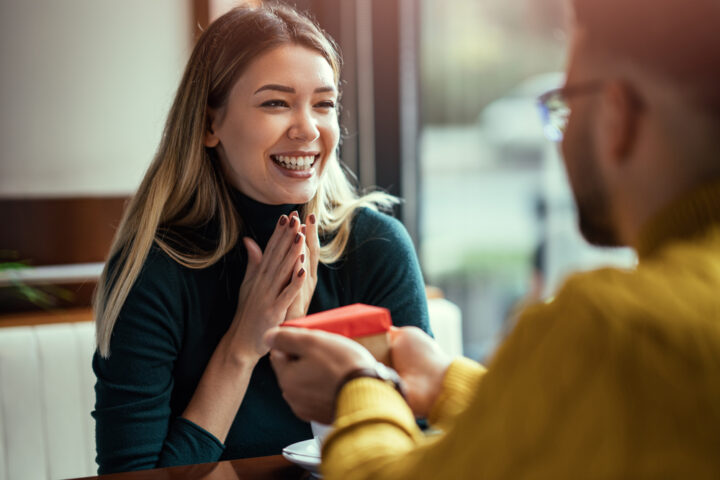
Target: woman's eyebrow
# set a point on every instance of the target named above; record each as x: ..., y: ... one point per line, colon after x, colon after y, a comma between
x: 325, y: 89
x: 272, y: 86
x: 283, y: 88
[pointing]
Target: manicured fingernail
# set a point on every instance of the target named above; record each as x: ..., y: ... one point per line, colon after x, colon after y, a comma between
x: 312, y: 218
x: 292, y: 221
x: 301, y: 272
x: 283, y: 220
x: 303, y: 229
x: 302, y: 258
x: 297, y: 237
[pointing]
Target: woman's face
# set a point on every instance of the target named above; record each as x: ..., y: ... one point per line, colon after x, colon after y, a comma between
x: 279, y: 127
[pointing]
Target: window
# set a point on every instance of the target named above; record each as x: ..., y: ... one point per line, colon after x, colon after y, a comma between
x: 497, y: 225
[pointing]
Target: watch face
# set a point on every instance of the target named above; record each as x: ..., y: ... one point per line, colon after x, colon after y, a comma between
x: 385, y: 372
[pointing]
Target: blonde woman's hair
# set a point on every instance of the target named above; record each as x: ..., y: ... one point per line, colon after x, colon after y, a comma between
x: 185, y: 190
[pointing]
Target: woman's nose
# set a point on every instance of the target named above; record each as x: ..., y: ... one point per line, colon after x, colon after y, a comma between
x: 304, y: 127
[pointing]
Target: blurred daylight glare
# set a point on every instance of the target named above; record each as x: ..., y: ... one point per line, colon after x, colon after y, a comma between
x: 497, y: 225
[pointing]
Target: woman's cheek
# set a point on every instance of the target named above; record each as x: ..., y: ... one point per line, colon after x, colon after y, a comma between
x: 332, y: 129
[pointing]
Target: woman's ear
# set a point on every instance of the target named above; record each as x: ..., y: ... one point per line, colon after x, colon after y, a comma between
x: 210, y: 139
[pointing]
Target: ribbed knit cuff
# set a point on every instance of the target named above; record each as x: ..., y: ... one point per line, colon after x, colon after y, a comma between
x: 371, y: 400
x: 188, y: 443
x: 209, y: 437
x: 460, y: 382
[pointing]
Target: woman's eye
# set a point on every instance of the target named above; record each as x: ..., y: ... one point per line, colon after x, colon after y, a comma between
x: 326, y: 104
x: 274, y: 103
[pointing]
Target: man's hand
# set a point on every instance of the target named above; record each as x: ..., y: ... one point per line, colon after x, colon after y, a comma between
x: 310, y: 364
x: 422, y: 365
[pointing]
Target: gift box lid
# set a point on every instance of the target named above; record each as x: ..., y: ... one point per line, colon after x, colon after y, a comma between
x: 357, y: 320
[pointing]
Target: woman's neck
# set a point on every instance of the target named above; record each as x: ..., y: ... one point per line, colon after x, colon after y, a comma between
x: 259, y: 219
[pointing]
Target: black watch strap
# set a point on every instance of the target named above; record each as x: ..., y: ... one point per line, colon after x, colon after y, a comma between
x: 381, y: 372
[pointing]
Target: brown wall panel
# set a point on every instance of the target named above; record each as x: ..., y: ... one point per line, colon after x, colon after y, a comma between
x: 53, y: 231
x: 200, y: 17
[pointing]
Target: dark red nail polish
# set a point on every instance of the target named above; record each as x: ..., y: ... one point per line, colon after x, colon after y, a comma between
x: 312, y: 218
x: 283, y: 220
x: 292, y: 222
x: 301, y: 272
x: 302, y: 258
x: 297, y: 238
x: 303, y: 229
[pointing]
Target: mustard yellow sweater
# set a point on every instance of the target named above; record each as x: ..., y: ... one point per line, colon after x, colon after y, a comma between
x: 617, y: 377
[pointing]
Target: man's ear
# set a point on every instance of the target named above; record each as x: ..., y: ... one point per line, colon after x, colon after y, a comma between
x: 621, y: 118
x: 210, y: 139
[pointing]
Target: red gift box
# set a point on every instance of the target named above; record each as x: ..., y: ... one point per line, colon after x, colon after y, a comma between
x: 366, y: 324
x: 353, y: 321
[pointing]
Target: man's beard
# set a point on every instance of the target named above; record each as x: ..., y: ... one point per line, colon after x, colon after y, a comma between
x: 591, y: 195
x: 594, y: 219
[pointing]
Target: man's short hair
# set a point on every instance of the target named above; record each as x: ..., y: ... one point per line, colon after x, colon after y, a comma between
x: 677, y: 39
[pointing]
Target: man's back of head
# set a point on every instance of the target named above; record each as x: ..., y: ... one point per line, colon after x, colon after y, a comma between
x: 643, y: 88
x: 676, y: 39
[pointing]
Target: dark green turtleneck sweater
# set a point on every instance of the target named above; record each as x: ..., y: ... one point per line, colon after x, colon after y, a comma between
x: 174, y: 318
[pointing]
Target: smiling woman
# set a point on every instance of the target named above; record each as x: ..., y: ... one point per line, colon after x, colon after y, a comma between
x: 289, y: 123
x: 249, y: 153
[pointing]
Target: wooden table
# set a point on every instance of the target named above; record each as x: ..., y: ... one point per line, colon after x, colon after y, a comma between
x: 274, y: 467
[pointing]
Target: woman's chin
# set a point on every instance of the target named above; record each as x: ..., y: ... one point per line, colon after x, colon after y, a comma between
x: 300, y: 198
x: 275, y: 194
x: 296, y: 197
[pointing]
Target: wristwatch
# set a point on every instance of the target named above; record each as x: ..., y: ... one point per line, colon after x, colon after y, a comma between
x: 379, y: 371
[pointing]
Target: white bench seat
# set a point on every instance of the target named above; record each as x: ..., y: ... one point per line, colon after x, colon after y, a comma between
x: 46, y: 396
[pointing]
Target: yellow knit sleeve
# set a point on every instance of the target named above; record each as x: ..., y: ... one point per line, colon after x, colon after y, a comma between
x: 460, y: 382
x: 388, y: 424
x: 383, y: 422
x: 367, y: 400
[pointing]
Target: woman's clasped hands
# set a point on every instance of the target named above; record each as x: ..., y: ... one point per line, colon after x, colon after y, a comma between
x: 279, y: 283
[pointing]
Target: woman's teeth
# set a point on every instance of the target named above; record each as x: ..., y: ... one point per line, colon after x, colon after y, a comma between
x: 294, y: 163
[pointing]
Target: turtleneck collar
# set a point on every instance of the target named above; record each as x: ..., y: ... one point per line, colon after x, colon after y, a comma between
x: 683, y: 219
x: 259, y: 219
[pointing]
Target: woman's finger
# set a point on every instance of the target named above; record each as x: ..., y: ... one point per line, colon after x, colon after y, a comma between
x: 288, y: 294
x: 279, y: 244
x: 285, y: 268
x: 280, y: 230
x: 313, y: 243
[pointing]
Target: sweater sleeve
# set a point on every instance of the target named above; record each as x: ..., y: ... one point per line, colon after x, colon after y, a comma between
x: 535, y: 412
x: 135, y: 427
x: 384, y: 269
x: 459, y: 384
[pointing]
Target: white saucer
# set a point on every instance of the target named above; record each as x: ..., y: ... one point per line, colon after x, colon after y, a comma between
x: 306, y: 454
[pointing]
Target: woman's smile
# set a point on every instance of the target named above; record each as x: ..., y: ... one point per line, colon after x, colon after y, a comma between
x: 296, y: 164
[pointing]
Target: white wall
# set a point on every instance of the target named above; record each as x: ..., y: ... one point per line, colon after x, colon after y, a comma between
x: 85, y: 86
